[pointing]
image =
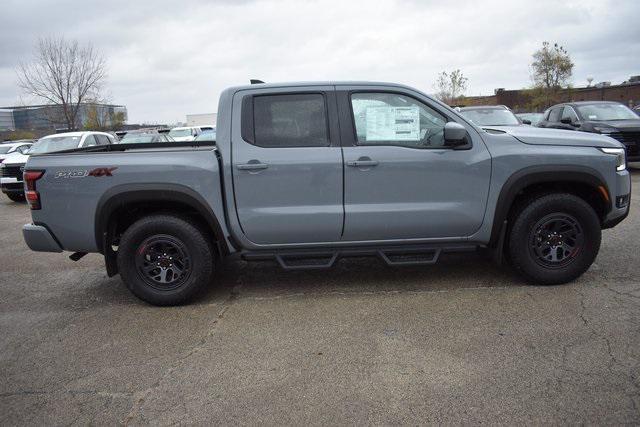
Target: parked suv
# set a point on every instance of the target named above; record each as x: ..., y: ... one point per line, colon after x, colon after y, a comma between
x: 604, y: 117
x: 10, y: 151
x: 6, y: 148
x: 13, y: 165
x: 306, y: 173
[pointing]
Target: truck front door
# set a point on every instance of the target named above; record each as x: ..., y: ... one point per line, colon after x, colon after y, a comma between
x: 287, y: 166
x: 401, y: 180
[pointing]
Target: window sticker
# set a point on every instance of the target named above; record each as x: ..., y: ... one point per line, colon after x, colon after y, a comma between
x: 393, y: 123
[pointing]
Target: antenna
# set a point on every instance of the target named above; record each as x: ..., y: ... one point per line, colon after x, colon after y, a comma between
x: 255, y: 81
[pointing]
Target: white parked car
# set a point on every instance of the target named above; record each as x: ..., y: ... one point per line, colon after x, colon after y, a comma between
x: 13, y: 164
x: 12, y: 147
x: 185, y: 133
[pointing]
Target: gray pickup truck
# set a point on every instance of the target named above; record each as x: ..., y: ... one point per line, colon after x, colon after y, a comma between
x: 306, y: 173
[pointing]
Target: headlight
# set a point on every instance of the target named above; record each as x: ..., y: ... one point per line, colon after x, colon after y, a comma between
x: 604, y: 129
x: 621, y: 162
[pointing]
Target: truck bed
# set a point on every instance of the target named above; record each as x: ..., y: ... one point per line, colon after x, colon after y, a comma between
x: 77, y: 183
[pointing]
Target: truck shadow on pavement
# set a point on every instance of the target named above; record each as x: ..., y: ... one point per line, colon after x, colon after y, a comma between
x: 352, y: 276
x: 360, y: 275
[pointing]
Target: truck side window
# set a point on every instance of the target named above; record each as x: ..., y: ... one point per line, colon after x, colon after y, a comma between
x: 394, y: 119
x: 296, y: 120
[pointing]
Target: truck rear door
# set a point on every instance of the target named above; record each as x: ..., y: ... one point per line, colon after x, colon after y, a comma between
x: 287, y: 165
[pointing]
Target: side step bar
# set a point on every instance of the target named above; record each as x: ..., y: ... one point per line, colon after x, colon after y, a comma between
x: 393, y: 256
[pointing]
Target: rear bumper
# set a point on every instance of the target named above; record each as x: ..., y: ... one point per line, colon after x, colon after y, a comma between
x: 39, y: 239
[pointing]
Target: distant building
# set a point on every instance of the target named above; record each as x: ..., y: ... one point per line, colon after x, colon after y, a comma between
x: 35, y: 117
x: 6, y: 120
x: 627, y: 93
x: 202, y: 119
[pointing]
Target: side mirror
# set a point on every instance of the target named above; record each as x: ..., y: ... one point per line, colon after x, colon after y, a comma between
x: 526, y: 122
x: 454, y: 134
x: 566, y: 121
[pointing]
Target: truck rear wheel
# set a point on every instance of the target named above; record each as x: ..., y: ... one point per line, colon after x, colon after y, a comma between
x: 554, y: 239
x: 165, y: 260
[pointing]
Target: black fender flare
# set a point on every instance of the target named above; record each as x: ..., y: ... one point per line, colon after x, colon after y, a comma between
x: 121, y: 195
x: 539, y: 175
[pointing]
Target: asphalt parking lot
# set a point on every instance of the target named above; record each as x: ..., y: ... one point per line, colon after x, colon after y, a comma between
x: 460, y: 342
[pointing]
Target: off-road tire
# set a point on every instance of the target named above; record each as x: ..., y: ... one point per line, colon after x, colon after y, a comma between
x: 190, y: 240
x: 522, y: 239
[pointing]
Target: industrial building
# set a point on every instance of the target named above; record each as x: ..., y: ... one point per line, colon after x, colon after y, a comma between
x: 37, y: 117
x: 6, y: 120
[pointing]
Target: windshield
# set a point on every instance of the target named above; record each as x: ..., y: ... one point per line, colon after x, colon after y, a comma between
x: 141, y: 138
x: 180, y: 132
x: 532, y: 117
x: 491, y: 117
x: 5, y: 150
x: 606, y: 112
x: 207, y: 136
x: 55, y: 143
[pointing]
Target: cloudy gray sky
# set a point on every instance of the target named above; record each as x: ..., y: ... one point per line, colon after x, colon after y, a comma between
x: 171, y: 58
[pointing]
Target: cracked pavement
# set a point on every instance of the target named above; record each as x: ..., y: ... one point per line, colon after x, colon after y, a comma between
x: 459, y: 342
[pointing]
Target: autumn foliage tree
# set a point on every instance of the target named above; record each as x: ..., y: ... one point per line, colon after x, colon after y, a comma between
x: 552, y: 69
x: 450, y: 86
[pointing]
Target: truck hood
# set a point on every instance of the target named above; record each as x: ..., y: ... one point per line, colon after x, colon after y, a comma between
x: 542, y: 136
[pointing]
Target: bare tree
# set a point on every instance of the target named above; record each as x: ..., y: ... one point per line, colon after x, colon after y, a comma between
x: 63, y: 74
x: 450, y: 86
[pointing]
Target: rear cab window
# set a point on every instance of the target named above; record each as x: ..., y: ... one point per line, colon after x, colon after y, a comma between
x: 288, y: 120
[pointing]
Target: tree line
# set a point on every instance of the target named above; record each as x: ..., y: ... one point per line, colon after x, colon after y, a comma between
x: 66, y: 75
x: 551, y: 70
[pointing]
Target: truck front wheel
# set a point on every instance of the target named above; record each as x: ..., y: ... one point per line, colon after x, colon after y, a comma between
x: 554, y: 239
x: 165, y: 260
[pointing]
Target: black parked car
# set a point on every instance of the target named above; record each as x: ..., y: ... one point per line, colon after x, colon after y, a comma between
x: 605, y: 117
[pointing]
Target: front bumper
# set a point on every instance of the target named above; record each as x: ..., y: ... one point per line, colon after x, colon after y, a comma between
x: 11, y: 185
x: 619, y: 213
x: 39, y: 239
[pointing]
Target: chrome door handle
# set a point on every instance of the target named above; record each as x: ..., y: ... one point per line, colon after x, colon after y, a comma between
x: 252, y: 166
x: 362, y: 163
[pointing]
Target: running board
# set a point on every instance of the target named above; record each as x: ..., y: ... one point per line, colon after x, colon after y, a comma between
x: 416, y: 257
x: 392, y: 256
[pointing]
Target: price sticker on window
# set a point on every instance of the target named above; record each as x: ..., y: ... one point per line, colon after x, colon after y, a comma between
x: 393, y: 123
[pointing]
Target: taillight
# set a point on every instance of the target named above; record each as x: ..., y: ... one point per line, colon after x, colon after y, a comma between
x: 33, y: 197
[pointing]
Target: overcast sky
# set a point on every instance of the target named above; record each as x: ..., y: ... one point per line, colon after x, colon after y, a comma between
x: 167, y: 59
